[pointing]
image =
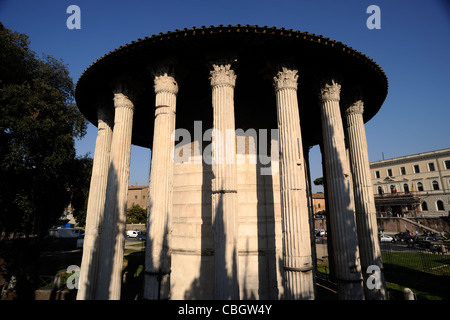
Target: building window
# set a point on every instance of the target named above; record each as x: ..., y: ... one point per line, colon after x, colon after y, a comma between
x: 419, y: 186
x: 440, y: 205
x: 431, y: 166
x: 377, y: 174
x: 393, y: 189
x: 380, y: 191
x: 406, y: 188
x: 416, y: 168
x: 435, y: 185
x: 389, y: 172
x: 135, y: 197
x: 402, y: 171
x: 447, y: 164
x: 424, y: 206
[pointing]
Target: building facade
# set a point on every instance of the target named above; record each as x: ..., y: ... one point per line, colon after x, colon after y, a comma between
x: 415, y: 185
x: 137, y: 195
x: 318, y: 200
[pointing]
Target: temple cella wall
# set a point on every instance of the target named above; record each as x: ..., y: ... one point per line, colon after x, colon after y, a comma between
x: 259, y: 227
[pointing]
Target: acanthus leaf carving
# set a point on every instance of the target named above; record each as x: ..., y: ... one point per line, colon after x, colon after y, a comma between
x: 222, y: 75
x: 331, y: 91
x: 165, y: 83
x: 286, y: 79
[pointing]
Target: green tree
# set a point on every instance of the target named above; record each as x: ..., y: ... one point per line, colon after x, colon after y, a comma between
x: 319, y: 181
x: 136, y: 214
x: 39, y: 123
x: 79, y: 187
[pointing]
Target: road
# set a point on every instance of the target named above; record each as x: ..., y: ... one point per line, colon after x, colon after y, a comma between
x: 130, y: 243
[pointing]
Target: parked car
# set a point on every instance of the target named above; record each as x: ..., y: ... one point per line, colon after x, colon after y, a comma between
x: 132, y: 233
x: 142, y: 235
x: 403, y: 236
x: 66, y: 232
x: 386, y: 238
x: 80, y: 241
x: 320, y: 232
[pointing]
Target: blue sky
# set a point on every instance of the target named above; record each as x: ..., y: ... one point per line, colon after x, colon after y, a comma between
x: 412, y: 47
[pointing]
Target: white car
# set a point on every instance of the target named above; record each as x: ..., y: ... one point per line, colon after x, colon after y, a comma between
x: 132, y: 233
x: 385, y: 238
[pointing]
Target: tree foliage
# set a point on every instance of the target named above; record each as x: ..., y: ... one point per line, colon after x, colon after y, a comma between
x: 39, y: 123
x: 79, y: 185
x: 136, y: 214
x: 318, y: 181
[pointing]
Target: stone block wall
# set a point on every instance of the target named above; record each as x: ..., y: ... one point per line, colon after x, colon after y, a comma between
x: 192, y: 242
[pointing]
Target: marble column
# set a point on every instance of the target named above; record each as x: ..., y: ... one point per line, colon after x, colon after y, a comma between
x: 340, y: 198
x: 157, y: 260
x: 332, y: 273
x: 297, y: 256
x: 366, y: 220
x: 113, y: 228
x: 96, y: 205
x: 224, y: 184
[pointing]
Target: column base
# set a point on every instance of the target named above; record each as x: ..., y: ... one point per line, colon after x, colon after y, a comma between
x: 350, y: 289
x: 157, y: 285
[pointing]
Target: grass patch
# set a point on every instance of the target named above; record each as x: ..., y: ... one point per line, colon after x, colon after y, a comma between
x: 419, y: 261
x: 426, y: 274
x: 323, y: 268
x: 395, y: 292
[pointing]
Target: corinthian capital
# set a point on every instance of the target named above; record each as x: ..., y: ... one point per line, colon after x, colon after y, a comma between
x: 122, y: 101
x: 331, y: 91
x: 222, y: 75
x: 286, y: 79
x: 165, y: 83
x: 356, y: 107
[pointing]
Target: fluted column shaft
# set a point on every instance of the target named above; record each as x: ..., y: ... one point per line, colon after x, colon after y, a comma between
x: 340, y: 197
x: 364, y: 199
x: 157, y: 261
x: 114, y: 222
x: 224, y: 184
x: 95, y: 208
x: 299, y: 281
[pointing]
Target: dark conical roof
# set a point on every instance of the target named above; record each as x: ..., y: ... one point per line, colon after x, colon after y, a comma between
x: 258, y: 51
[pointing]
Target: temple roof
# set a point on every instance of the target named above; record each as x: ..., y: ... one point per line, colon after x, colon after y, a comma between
x: 258, y: 51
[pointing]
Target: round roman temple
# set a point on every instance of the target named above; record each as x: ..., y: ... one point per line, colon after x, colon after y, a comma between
x: 230, y: 113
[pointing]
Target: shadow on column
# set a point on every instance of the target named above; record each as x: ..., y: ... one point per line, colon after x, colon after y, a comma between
x: 267, y: 276
x: 108, y: 237
x: 137, y: 287
x: 92, y: 268
x: 203, y: 286
x: 348, y: 289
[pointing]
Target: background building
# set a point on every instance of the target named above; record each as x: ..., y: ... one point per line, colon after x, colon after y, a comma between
x: 137, y: 195
x: 413, y: 185
x: 318, y: 204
